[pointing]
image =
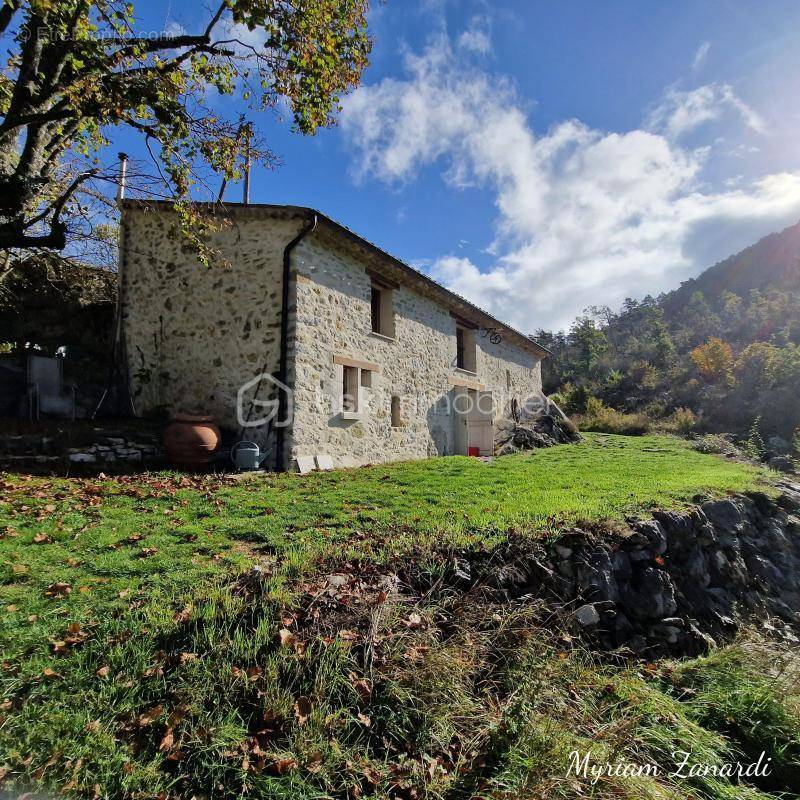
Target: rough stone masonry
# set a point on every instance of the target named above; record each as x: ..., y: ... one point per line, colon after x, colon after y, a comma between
x: 195, y: 335
x: 675, y: 583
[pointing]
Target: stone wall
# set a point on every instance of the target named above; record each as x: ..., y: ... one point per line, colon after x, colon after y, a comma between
x: 333, y: 319
x: 195, y: 334
x: 60, y: 452
x: 671, y: 584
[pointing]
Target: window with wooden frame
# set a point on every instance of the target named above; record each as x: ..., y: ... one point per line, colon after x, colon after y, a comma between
x: 381, y: 303
x: 350, y: 386
x: 353, y: 382
x: 466, y: 349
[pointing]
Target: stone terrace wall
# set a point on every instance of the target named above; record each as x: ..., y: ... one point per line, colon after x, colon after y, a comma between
x: 672, y: 584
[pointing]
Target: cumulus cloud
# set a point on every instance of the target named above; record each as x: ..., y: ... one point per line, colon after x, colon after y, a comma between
x: 679, y: 112
x: 583, y: 216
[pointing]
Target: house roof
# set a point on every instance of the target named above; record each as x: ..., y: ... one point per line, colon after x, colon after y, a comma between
x: 457, y: 304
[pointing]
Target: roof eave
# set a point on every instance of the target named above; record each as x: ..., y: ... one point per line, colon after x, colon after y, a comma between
x: 461, y: 303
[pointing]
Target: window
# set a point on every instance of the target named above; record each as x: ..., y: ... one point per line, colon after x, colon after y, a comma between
x: 396, y: 422
x: 381, y: 310
x: 350, y: 389
x: 466, y: 357
x: 375, y: 301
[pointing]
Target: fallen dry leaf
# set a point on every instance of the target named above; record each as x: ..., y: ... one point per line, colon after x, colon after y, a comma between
x: 302, y: 709
x: 287, y: 638
x: 58, y: 590
x: 314, y: 764
x: 183, y: 616
x: 283, y: 765
x: 149, y: 717
x: 362, y: 686
x: 103, y: 672
x: 42, y: 538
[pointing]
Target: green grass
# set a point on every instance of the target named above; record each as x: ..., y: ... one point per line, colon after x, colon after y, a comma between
x: 163, y: 535
x: 135, y: 683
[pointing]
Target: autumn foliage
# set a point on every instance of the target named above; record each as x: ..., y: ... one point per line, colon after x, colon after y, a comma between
x: 714, y: 360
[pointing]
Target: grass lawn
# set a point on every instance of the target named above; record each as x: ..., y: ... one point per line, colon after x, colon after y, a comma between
x: 133, y: 665
x: 165, y: 534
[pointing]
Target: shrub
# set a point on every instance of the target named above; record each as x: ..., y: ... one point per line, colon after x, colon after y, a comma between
x: 574, y: 399
x: 796, y: 439
x: 600, y: 417
x: 718, y: 444
x: 754, y: 444
x: 682, y: 422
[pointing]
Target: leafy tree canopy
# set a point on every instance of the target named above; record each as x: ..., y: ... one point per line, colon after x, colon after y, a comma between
x: 78, y: 68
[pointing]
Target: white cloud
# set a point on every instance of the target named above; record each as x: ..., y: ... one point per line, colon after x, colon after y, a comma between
x: 679, y: 112
x: 700, y: 56
x: 583, y: 216
x: 476, y: 37
x: 173, y: 28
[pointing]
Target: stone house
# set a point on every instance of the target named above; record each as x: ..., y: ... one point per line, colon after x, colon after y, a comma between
x: 380, y: 363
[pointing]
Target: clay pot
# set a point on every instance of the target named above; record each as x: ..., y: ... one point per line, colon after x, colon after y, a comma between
x: 191, y: 440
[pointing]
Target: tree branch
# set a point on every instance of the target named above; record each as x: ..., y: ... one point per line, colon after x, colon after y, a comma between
x: 56, y: 238
x: 9, y: 8
x: 151, y: 45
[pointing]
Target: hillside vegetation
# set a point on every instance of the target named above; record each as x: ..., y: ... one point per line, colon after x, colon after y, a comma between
x: 168, y: 636
x: 722, y: 352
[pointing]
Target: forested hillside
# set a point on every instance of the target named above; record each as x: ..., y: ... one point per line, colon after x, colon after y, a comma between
x: 720, y: 353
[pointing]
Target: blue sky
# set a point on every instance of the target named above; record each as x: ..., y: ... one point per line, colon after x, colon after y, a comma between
x: 540, y: 157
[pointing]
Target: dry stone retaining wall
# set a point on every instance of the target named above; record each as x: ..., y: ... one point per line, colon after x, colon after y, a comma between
x: 671, y: 584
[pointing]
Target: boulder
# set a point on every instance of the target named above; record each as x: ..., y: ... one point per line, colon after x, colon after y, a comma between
x: 542, y: 431
x: 781, y: 464
x: 587, y: 616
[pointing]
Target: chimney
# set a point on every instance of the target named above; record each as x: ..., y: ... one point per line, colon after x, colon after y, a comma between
x: 123, y: 172
x: 248, y: 133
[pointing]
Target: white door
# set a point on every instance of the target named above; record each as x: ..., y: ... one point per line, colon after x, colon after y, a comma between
x: 480, y: 423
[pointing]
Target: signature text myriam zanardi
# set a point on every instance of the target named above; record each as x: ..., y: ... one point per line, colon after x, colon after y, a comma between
x: 581, y: 765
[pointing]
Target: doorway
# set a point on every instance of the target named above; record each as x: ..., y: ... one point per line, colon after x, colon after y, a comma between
x: 474, y: 422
